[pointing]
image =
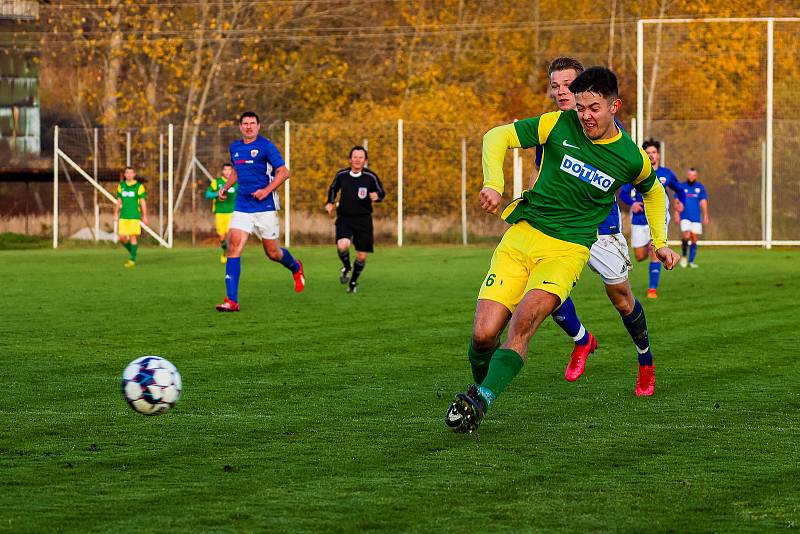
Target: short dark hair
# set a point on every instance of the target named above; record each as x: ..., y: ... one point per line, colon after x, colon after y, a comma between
x: 693, y: 169
x: 598, y: 80
x: 565, y: 63
x: 248, y: 114
x: 652, y: 142
x: 227, y: 164
x: 358, y: 147
x: 129, y: 167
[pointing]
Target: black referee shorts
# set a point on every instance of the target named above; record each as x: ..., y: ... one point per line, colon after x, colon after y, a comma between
x: 358, y: 229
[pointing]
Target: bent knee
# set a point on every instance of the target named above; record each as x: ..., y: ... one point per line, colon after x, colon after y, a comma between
x: 484, y: 341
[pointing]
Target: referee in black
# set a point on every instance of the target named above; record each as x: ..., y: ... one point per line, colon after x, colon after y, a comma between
x: 359, y: 187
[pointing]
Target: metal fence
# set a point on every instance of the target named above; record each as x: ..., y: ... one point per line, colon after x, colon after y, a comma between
x: 723, y: 95
x: 431, y: 172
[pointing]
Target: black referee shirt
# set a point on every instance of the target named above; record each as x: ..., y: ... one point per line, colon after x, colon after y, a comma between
x: 355, y: 189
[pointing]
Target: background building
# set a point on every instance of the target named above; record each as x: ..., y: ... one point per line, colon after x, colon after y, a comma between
x: 19, y: 82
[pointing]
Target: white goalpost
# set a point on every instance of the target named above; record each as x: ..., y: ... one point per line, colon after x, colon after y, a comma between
x: 767, y: 170
x: 59, y: 155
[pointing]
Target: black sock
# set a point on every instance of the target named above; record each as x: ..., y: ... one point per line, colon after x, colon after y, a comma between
x: 357, y: 268
x: 345, y: 257
x: 636, y: 325
x: 684, y: 246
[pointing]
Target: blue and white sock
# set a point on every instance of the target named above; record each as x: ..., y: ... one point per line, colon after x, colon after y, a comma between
x: 567, y: 318
x: 289, y: 262
x: 233, y: 268
x: 655, y: 274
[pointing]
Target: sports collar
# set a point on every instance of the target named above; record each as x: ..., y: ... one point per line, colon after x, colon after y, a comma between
x: 355, y: 174
x: 609, y: 140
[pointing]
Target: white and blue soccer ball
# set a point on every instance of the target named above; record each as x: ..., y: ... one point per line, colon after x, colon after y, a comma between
x: 151, y: 385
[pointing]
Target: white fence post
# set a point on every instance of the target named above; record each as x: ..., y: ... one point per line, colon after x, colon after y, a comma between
x: 516, y: 168
x: 170, y: 184
x: 128, y: 148
x: 639, y: 82
x: 770, y: 91
x: 763, y: 193
x: 161, y: 185
x: 194, y: 187
x: 96, y: 165
x: 399, y: 182
x: 287, y: 218
x: 464, y: 190
x: 55, y: 187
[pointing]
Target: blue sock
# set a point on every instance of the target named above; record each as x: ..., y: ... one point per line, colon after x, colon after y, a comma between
x: 692, y: 252
x: 655, y: 274
x: 289, y: 262
x: 567, y: 318
x: 232, y: 271
x: 636, y: 325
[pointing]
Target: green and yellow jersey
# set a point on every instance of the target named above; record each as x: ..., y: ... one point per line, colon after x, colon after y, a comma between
x: 577, y: 177
x: 130, y: 195
x: 221, y: 206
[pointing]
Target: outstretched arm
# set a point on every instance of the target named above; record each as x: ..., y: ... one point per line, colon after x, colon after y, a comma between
x: 495, y: 144
x: 655, y: 208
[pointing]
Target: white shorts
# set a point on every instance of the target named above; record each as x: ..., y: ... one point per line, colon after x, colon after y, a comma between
x: 263, y: 223
x: 689, y: 226
x: 640, y: 235
x: 609, y: 258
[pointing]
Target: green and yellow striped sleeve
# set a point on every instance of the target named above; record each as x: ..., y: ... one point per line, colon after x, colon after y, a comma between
x: 521, y: 134
x: 495, y: 143
x: 535, y: 131
x: 655, y: 202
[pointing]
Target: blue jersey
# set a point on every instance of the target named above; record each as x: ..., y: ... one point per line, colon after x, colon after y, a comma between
x: 254, y: 163
x: 628, y: 194
x: 693, y: 194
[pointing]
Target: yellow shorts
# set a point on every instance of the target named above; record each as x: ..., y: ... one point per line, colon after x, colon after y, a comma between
x: 223, y: 221
x: 130, y: 227
x: 528, y: 259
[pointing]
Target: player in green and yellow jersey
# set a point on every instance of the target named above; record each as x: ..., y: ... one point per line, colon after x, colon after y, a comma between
x: 586, y: 158
x: 130, y: 211
x: 223, y: 209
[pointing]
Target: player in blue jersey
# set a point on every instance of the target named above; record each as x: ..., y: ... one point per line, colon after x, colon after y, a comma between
x: 693, y: 216
x: 640, y: 232
x: 608, y: 257
x: 259, y: 170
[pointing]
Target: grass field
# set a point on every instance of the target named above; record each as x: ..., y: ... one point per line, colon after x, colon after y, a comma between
x: 322, y: 412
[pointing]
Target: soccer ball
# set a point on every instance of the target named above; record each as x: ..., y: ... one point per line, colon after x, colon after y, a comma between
x: 151, y: 385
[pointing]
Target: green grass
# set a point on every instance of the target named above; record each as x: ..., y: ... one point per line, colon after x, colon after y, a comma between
x: 10, y: 241
x: 322, y: 412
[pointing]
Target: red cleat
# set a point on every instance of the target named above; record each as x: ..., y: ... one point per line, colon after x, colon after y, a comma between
x: 646, y: 382
x: 228, y: 306
x: 299, y: 278
x: 652, y: 293
x: 577, y: 362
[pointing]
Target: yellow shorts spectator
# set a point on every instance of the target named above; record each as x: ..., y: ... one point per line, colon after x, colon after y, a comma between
x: 223, y: 221
x: 528, y: 259
x: 130, y: 227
